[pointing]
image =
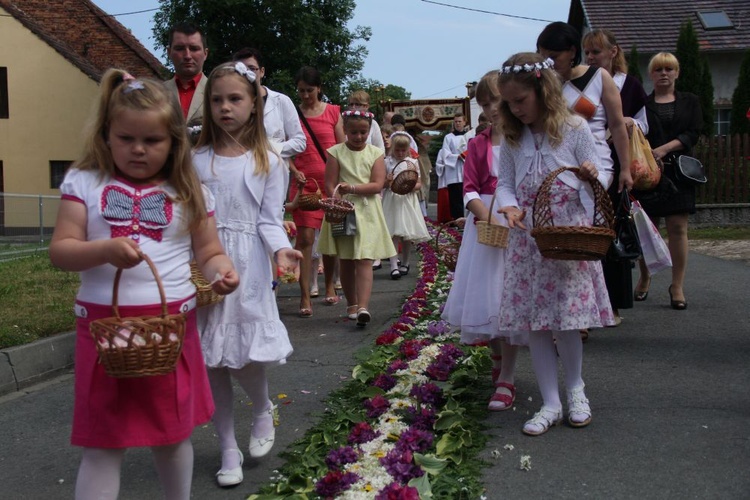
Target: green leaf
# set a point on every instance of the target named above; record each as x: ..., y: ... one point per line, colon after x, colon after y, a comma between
x: 447, y: 419
x: 422, y: 484
x: 430, y: 463
x: 372, y: 391
x: 301, y: 484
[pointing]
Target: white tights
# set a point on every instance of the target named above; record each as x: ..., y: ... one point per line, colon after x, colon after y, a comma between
x: 99, y: 472
x: 252, y: 379
x: 544, y: 361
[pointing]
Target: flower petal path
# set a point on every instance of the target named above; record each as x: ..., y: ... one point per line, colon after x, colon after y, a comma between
x: 408, y: 425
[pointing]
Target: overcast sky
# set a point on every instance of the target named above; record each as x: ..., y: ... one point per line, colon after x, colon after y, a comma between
x: 429, y: 49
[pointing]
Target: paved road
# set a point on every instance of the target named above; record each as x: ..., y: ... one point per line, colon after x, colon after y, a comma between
x: 669, y: 391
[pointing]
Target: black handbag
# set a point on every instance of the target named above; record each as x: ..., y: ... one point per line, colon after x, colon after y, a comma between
x: 626, y: 245
x: 347, y: 227
x: 690, y: 170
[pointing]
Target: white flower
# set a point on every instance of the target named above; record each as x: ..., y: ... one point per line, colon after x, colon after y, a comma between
x: 509, y: 447
x: 526, y: 462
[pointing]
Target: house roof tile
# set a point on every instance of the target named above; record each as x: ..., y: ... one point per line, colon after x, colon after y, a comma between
x: 85, y: 35
x: 654, y: 25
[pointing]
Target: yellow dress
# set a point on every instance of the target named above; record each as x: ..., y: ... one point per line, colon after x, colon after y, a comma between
x: 372, y: 241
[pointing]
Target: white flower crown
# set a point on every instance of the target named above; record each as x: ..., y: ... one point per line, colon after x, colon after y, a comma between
x: 527, y: 68
x: 365, y: 114
x: 243, y: 70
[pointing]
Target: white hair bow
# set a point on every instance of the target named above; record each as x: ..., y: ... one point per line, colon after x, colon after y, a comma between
x: 243, y: 70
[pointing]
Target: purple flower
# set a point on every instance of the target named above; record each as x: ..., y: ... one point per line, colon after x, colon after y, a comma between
x: 441, y: 368
x: 415, y: 440
x: 385, y: 381
x: 362, y: 433
x: 436, y: 328
x: 452, y: 351
x: 397, y: 365
x: 424, y: 418
x: 427, y: 393
x: 334, y: 483
x: 336, y: 459
x: 377, y: 406
x: 395, y: 491
x: 398, y: 463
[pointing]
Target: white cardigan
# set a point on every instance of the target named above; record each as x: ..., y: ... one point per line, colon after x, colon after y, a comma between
x: 576, y: 147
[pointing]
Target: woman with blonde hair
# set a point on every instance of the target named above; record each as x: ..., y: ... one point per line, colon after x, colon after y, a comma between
x: 676, y: 120
x: 602, y: 51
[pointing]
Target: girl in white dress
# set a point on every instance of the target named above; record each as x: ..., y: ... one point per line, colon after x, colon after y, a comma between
x: 550, y: 299
x: 473, y: 304
x: 402, y: 213
x: 243, y: 334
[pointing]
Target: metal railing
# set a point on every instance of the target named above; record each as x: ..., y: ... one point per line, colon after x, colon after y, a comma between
x: 26, y: 223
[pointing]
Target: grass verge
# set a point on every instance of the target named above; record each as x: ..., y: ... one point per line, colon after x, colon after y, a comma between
x: 36, y: 300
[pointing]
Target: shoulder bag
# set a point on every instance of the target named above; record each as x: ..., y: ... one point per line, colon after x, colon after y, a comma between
x: 312, y: 135
x: 690, y: 170
x: 626, y: 245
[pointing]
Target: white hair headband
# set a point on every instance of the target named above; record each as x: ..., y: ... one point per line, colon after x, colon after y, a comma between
x: 400, y: 132
x: 528, y: 68
x: 243, y: 70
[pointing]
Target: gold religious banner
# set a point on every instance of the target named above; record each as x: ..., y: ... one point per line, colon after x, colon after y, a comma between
x: 429, y: 114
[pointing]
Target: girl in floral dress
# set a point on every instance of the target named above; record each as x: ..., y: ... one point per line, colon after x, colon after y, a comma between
x: 551, y: 299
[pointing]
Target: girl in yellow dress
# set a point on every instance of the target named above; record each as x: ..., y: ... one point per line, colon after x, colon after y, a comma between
x: 358, y: 169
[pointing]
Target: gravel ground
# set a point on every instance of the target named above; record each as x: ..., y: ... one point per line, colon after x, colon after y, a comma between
x: 724, y: 249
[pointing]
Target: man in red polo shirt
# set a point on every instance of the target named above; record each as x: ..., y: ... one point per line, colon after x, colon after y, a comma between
x: 187, y: 51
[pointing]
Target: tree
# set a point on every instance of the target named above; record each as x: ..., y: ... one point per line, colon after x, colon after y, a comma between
x: 695, y: 74
x: 739, y: 122
x: 706, y: 97
x: 289, y: 33
x: 378, y: 93
x: 633, y: 69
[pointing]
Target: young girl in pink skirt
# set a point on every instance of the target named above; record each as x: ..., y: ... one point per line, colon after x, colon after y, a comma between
x: 135, y: 193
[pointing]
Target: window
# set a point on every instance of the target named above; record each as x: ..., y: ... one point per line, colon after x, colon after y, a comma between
x: 715, y: 20
x: 57, y: 172
x: 4, y: 93
x: 721, y: 121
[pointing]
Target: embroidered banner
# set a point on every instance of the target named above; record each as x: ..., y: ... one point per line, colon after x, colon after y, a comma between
x: 429, y: 114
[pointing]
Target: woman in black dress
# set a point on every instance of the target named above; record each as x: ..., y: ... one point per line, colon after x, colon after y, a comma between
x: 675, y: 120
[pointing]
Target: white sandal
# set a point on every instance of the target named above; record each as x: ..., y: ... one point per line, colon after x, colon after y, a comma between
x: 579, y: 412
x: 352, y: 316
x: 542, y: 421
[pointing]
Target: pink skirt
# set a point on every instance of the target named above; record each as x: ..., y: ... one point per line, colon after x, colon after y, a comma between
x: 145, y: 411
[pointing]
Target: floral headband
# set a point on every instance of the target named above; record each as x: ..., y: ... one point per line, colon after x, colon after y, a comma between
x: 528, y: 68
x: 243, y: 70
x: 363, y: 114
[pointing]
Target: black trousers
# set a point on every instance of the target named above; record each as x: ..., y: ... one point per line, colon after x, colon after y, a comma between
x: 456, y: 199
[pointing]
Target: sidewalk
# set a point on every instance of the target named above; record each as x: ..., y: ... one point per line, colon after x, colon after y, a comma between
x: 668, y: 389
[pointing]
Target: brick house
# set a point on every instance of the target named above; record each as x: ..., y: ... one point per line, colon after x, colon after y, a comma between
x: 722, y: 26
x: 52, y: 56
